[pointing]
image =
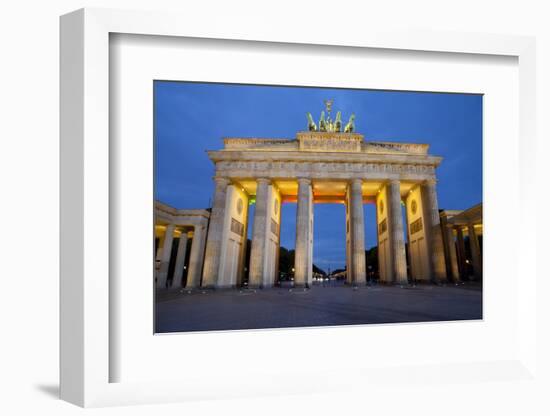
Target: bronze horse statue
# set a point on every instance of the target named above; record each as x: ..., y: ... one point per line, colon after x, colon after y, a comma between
x: 311, y: 126
x: 350, y: 127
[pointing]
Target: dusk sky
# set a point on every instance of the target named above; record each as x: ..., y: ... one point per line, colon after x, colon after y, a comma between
x: 191, y: 118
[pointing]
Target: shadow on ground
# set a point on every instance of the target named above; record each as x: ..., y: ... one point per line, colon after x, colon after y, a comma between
x: 51, y: 390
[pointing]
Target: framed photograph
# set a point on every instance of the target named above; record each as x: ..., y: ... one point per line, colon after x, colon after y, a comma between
x: 325, y: 228
x: 242, y: 214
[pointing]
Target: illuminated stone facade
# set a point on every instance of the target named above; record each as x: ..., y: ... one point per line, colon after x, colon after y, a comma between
x: 318, y: 167
x: 325, y: 167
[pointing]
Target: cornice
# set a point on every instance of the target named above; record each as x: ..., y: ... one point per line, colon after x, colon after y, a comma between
x: 308, y: 157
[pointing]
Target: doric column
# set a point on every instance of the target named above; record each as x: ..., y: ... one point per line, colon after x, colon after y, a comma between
x: 463, y: 271
x: 196, y: 257
x: 451, y: 249
x: 397, y: 235
x: 215, y: 231
x: 357, y: 226
x: 476, y: 252
x: 302, y: 258
x: 433, y: 230
x: 180, y: 261
x: 259, y: 230
x: 165, y: 256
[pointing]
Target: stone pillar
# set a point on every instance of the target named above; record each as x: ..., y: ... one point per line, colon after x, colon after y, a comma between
x: 397, y: 235
x: 259, y: 231
x: 349, y: 257
x: 196, y: 257
x: 451, y: 249
x: 215, y: 231
x: 433, y: 231
x: 408, y: 232
x: 180, y: 261
x: 165, y: 256
x: 462, y: 269
x: 278, y: 255
x: 302, y: 258
x: 476, y: 252
x: 357, y: 228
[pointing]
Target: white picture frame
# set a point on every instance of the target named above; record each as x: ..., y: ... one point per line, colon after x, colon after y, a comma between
x: 85, y: 212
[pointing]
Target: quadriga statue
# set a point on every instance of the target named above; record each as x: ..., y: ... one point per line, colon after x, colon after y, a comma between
x: 350, y: 127
x: 322, y: 122
x: 338, y: 122
x: 311, y: 126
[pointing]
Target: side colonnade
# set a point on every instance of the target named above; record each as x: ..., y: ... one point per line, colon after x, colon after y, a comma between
x: 189, y: 227
x: 464, y: 261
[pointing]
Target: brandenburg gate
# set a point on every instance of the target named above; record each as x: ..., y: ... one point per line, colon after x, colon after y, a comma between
x: 327, y: 163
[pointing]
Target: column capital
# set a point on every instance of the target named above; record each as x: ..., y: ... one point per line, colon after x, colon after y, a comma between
x: 394, y: 182
x: 355, y: 181
x: 431, y: 181
x: 304, y: 181
x: 264, y: 180
x: 221, y: 181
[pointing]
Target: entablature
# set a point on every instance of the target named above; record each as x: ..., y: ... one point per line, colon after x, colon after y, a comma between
x: 306, y: 157
x: 184, y: 217
x: 324, y: 170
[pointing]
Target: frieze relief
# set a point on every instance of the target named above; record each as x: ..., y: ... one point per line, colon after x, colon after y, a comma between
x: 390, y: 147
x: 326, y: 142
x: 257, y: 143
x: 319, y: 169
x: 315, y: 144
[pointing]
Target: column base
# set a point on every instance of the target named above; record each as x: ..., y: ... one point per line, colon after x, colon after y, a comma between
x: 225, y: 287
x: 404, y: 281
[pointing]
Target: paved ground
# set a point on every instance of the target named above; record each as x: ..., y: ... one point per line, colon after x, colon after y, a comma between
x: 328, y: 304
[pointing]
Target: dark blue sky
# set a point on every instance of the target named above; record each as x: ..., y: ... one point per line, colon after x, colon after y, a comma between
x: 191, y: 118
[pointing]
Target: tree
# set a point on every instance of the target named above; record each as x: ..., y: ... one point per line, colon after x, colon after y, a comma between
x: 286, y: 262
